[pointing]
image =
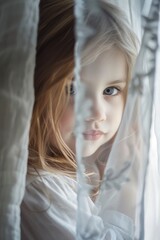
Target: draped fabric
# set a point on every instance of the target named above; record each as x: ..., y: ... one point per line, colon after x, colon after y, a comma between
x: 130, y: 185
x: 133, y: 10
x: 18, y: 32
x: 152, y: 189
x: 129, y: 197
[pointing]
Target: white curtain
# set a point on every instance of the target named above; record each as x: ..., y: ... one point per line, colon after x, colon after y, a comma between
x: 133, y: 10
x: 18, y: 32
x: 131, y: 180
x: 152, y: 189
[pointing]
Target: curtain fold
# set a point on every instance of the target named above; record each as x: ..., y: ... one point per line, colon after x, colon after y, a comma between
x: 130, y: 186
x: 18, y: 33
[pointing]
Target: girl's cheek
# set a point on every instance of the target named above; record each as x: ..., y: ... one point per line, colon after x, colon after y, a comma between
x: 67, y: 120
x: 119, y: 102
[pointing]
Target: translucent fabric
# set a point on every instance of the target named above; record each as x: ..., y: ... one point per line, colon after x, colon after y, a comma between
x: 128, y: 201
x: 133, y: 10
x: 18, y: 34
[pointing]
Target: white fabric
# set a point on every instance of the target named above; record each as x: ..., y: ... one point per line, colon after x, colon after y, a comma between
x: 152, y: 194
x: 133, y: 12
x: 125, y: 185
x: 18, y: 33
x: 49, y: 209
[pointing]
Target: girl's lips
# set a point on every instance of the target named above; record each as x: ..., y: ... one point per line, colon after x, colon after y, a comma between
x: 92, y: 135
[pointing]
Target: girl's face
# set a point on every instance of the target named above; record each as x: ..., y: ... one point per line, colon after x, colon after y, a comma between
x: 106, y: 85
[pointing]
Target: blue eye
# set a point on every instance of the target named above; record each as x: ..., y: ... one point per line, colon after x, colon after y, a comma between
x: 111, y: 91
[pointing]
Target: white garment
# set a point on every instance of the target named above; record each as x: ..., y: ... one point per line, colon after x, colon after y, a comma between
x: 49, y: 212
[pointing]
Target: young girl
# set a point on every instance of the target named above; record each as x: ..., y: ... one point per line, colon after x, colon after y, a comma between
x: 49, y: 206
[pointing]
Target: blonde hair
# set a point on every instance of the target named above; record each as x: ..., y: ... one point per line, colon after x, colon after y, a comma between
x: 111, y: 29
x: 54, y: 64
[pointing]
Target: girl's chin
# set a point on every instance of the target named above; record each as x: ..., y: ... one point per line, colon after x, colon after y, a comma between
x: 94, y: 148
x: 95, y: 152
x: 90, y: 151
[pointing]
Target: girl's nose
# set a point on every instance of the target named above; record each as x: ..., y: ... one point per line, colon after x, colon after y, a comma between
x: 97, y: 111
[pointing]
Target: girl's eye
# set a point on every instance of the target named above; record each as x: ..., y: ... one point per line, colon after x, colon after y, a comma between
x: 71, y: 89
x: 111, y: 91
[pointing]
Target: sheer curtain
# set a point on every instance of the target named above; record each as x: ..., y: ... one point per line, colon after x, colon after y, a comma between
x: 152, y: 193
x: 18, y: 31
x: 130, y: 187
x: 133, y: 10
x: 149, y: 57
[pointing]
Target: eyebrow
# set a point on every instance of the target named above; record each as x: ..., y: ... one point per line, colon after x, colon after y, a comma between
x: 117, y: 81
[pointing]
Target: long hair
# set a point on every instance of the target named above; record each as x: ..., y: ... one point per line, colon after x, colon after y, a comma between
x: 55, y: 63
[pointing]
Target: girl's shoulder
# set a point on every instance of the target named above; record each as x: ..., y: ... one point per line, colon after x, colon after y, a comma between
x: 41, y: 175
x: 50, y: 182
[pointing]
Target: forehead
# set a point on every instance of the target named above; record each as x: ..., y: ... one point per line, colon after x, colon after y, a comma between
x: 110, y: 65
